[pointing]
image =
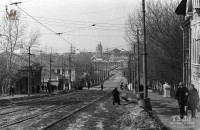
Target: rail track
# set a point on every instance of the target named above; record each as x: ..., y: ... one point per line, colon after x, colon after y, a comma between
x: 74, y: 112
x: 80, y: 109
x: 58, y: 109
x: 35, y: 103
x: 32, y: 101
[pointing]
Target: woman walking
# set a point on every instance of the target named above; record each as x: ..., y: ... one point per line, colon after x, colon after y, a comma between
x: 193, y: 100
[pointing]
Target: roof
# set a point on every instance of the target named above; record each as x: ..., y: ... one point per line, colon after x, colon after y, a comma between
x: 181, y: 9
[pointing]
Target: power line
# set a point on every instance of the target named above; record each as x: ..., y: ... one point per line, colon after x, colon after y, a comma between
x: 42, y: 24
x: 78, y: 22
x: 36, y: 20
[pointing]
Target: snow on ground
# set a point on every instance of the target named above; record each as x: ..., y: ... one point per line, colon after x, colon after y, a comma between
x: 80, y: 122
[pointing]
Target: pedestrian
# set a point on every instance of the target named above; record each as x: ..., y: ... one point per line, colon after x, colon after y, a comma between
x: 166, y: 89
x: 48, y: 87
x: 38, y: 88
x: 101, y: 85
x: 88, y: 85
x: 177, y: 94
x: 182, y: 95
x: 45, y: 86
x: 121, y: 86
x: 141, y: 88
x: 9, y: 90
x: 115, y: 94
x: 42, y: 87
x: 193, y: 100
x: 12, y: 90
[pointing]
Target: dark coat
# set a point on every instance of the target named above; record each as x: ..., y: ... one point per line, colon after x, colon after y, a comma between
x: 193, y: 98
x: 115, y: 94
x: 181, y: 95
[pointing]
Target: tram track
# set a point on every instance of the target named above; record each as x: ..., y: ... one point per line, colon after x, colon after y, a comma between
x: 80, y: 109
x: 55, y: 109
x: 58, y: 109
x: 29, y: 102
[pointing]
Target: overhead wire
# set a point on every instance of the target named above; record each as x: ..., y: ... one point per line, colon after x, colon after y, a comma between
x: 44, y: 25
x: 71, y: 21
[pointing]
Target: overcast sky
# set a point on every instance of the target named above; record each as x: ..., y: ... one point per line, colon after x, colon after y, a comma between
x: 75, y: 18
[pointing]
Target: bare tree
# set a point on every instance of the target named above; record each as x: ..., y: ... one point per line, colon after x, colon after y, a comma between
x: 164, y: 39
x: 15, y: 35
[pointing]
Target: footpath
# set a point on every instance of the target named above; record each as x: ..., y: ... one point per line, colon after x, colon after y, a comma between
x: 168, y: 113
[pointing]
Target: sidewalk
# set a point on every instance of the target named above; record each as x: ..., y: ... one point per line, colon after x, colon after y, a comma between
x: 168, y: 112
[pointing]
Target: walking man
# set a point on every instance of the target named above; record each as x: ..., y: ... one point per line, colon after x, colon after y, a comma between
x: 101, y: 85
x: 182, y: 96
x: 115, y: 94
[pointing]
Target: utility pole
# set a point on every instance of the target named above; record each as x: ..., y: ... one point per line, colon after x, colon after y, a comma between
x: 29, y: 83
x: 50, y: 74
x: 138, y: 59
x: 135, y: 68
x: 145, y: 103
x: 70, y: 74
x: 144, y: 53
x: 63, y: 77
x: 129, y: 68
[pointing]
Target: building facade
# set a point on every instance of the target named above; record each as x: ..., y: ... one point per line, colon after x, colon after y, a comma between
x: 190, y: 9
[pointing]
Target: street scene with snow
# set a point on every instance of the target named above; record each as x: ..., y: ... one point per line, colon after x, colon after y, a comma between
x: 100, y: 65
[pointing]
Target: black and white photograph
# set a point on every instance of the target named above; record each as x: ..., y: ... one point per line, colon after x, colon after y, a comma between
x: 99, y: 64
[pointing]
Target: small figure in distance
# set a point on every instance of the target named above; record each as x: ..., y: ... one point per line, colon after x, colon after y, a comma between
x: 116, y: 98
x: 101, y: 85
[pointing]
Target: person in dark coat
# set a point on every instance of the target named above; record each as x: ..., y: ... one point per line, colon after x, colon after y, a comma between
x: 42, y: 87
x: 141, y: 88
x: 48, y: 87
x: 10, y: 90
x: 115, y: 94
x: 13, y: 90
x: 101, y: 85
x: 88, y: 85
x: 38, y: 88
x: 182, y: 96
x: 177, y: 93
x: 193, y: 100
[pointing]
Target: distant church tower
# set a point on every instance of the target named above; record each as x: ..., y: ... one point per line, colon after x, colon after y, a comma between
x: 99, y: 50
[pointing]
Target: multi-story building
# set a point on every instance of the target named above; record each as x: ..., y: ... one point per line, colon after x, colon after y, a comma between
x: 190, y: 9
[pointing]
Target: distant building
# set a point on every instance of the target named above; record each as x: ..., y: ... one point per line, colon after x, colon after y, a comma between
x: 99, y: 51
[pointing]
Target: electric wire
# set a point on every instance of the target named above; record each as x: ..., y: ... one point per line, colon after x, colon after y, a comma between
x: 54, y: 31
